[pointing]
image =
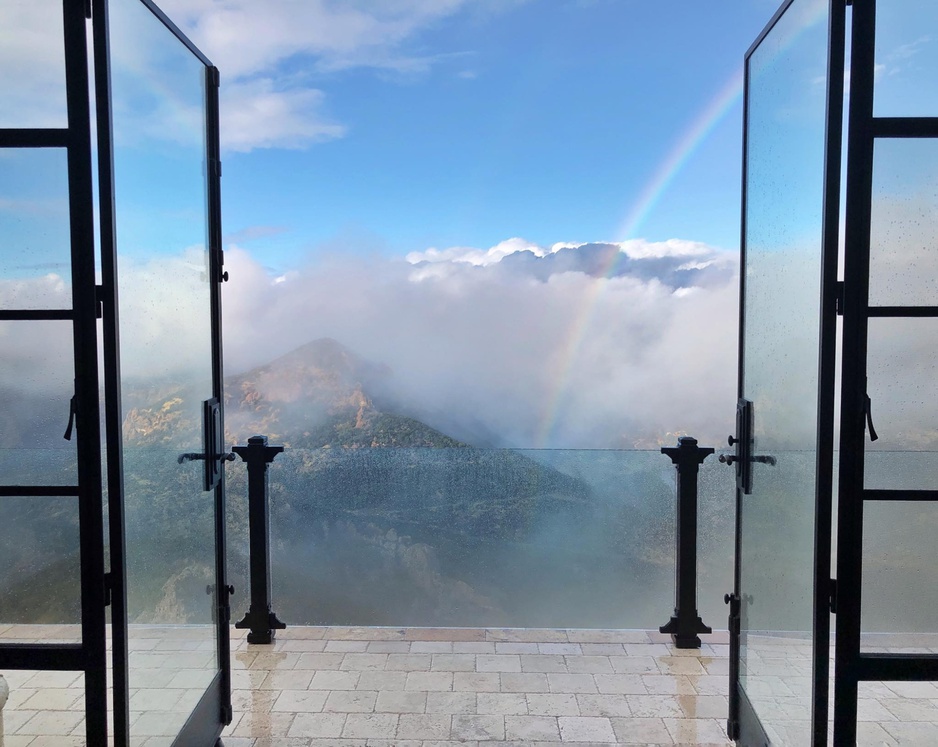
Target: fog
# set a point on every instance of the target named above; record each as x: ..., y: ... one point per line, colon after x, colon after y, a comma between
x: 591, y: 346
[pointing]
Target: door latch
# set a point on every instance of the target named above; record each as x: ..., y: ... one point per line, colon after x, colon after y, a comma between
x: 213, y: 444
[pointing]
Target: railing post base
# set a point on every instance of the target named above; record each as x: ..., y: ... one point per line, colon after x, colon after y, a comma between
x: 684, y: 629
x: 262, y: 625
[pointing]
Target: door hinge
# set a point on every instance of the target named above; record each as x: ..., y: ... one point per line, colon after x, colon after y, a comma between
x: 226, y: 714
x: 839, y: 298
x: 108, y: 588
x: 832, y: 596
x: 87, y: 8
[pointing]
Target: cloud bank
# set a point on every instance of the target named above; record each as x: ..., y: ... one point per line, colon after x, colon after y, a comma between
x: 594, y: 345
x: 576, y: 345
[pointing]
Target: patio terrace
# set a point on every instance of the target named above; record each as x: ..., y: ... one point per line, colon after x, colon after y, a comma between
x: 429, y: 687
x: 369, y: 687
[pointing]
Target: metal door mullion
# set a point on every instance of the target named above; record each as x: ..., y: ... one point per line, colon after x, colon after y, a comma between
x: 39, y: 490
x: 36, y: 315
x: 113, y: 411
x: 897, y: 667
x: 217, y: 276
x: 900, y: 495
x: 905, y: 127
x: 84, y: 304
x: 902, y: 311
x: 61, y: 657
x: 827, y: 372
x: 34, y: 137
x: 853, y: 381
x: 735, y: 693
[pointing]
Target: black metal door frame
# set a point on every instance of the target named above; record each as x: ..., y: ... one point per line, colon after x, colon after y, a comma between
x: 214, y: 711
x: 852, y: 666
x: 90, y: 655
x: 743, y: 724
x: 91, y: 302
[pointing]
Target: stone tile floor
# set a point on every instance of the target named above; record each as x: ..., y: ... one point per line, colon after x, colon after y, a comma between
x: 413, y: 687
x: 431, y: 687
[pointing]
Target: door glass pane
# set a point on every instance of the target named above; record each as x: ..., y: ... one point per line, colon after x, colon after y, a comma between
x: 37, y: 382
x: 785, y: 159
x: 166, y: 362
x: 906, y: 59
x: 904, y: 223
x: 32, y: 64
x: 902, y: 381
x: 35, y: 247
x: 40, y: 587
x: 900, y: 598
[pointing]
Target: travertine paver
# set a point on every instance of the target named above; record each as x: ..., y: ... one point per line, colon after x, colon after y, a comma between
x: 532, y: 728
x: 484, y: 728
x: 412, y: 687
x: 586, y: 729
x: 464, y: 703
x: 401, y: 702
x: 502, y: 704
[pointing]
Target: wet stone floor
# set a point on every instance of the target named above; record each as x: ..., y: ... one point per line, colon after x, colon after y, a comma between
x: 431, y: 687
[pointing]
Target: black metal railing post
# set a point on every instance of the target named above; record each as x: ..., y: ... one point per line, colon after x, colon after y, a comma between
x: 260, y: 619
x: 685, y: 624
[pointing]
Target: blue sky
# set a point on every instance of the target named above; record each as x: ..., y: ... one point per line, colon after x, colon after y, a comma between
x: 543, y: 120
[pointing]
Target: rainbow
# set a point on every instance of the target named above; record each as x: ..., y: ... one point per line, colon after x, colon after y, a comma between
x: 681, y: 152
x: 679, y: 155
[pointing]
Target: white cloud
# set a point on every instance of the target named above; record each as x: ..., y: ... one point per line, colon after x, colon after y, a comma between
x: 268, y: 51
x: 510, y: 352
x: 256, y: 115
x: 244, y: 37
x: 473, y: 256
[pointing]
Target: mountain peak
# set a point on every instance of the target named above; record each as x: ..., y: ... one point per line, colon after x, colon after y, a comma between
x: 320, y: 394
x: 324, y: 352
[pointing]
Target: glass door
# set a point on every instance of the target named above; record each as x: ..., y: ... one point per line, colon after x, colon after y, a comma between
x: 888, y: 501
x: 782, y: 440
x: 171, y: 659
x: 52, y: 600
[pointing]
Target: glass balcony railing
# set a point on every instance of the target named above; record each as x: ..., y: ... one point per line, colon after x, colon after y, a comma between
x: 452, y: 537
x: 482, y: 537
